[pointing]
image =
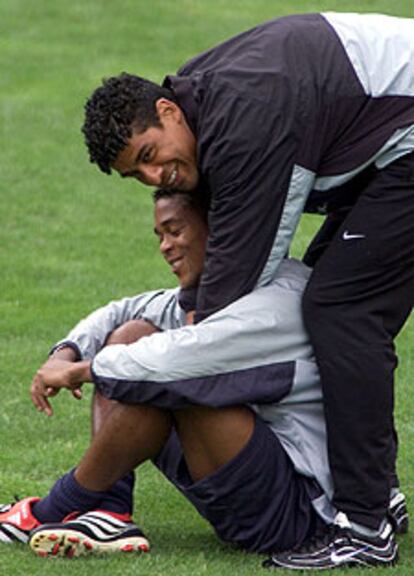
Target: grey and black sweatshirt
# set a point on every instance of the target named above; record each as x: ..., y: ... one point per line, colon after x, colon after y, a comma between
x: 283, y: 114
x: 254, y: 351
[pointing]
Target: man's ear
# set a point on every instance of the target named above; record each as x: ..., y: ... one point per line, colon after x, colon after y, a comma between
x: 168, y: 110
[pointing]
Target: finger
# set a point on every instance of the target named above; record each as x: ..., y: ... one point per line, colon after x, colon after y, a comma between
x: 48, y: 409
x: 77, y: 393
x: 37, y: 394
x: 41, y: 403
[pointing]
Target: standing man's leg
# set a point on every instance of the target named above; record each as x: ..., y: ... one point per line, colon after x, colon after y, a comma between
x: 397, y: 510
x: 359, y: 296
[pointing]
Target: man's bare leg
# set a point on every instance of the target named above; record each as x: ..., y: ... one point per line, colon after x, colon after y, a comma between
x: 132, y: 434
x: 212, y: 437
x: 129, y: 435
x: 125, y: 334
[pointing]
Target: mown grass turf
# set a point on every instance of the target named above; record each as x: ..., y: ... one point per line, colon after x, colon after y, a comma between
x: 71, y: 239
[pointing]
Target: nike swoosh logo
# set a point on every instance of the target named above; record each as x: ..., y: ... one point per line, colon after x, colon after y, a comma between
x: 341, y: 558
x: 347, y: 236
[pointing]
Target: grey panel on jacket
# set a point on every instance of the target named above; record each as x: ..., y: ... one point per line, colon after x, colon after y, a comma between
x: 299, y: 423
x: 381, y: 50
x: 159, y: 307
x: 263, y: 328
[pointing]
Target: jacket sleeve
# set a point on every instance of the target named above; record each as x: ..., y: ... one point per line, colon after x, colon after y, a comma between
x: 244, y: 353
x: 248, y: 149
x: 160, y: 308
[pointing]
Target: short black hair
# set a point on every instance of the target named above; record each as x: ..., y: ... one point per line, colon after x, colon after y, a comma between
x: 195, y: 199
x: 122, y: 104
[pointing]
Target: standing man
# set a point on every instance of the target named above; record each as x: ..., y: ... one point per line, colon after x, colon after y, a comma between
x: 309, y: 113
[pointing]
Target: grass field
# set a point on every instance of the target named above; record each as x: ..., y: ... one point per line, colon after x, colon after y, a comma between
x: 72, y: 239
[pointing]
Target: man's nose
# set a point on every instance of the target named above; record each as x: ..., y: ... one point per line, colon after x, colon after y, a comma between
x: 151, y: 175
x: 165, y: 244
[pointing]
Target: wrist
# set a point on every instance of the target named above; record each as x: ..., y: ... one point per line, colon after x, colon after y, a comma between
x: 80, y: 372
x: 64, y: 353
x: 66, y: 350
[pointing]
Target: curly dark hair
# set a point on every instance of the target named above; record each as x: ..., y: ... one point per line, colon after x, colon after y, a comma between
x: 195, y: 199
x: 122, y: 104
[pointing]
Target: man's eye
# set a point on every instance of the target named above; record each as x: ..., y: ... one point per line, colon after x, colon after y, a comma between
x: 146, y: 157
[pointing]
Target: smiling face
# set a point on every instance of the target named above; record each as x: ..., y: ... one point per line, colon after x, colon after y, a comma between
x: 162, y: 156
x: 182, y: 232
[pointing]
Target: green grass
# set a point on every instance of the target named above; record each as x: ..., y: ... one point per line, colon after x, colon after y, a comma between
x: 72, y: 239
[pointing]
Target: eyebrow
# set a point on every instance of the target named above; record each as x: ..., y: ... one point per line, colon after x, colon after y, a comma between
x: 168, y: 222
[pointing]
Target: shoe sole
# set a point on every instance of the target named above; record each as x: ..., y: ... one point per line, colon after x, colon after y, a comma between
x: 315, y: 568
x: 72, y: 544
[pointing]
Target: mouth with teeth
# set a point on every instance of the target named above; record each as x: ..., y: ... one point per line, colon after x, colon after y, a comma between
x: 172, y: 179
x: 175, y: 264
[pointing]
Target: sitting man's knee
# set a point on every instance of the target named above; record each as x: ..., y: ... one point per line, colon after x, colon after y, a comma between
x: 130, y: 332
x: 127, y: 333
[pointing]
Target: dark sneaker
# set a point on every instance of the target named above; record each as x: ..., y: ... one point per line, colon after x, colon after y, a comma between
x: 398, y: 513
x: 338, y: 547
x: 17, y: 521
x: 95, y: 532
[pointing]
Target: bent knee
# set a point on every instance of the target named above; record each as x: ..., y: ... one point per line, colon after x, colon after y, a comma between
x: 130, y: 332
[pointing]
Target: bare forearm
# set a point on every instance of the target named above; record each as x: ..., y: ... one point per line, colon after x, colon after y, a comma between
x: 68, y: 374
x: 81, y: 372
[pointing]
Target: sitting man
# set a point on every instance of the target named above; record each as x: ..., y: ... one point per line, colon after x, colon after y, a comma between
x: 223, y: 411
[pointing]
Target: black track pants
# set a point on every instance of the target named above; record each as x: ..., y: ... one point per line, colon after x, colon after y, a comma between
x: 359, y: 296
